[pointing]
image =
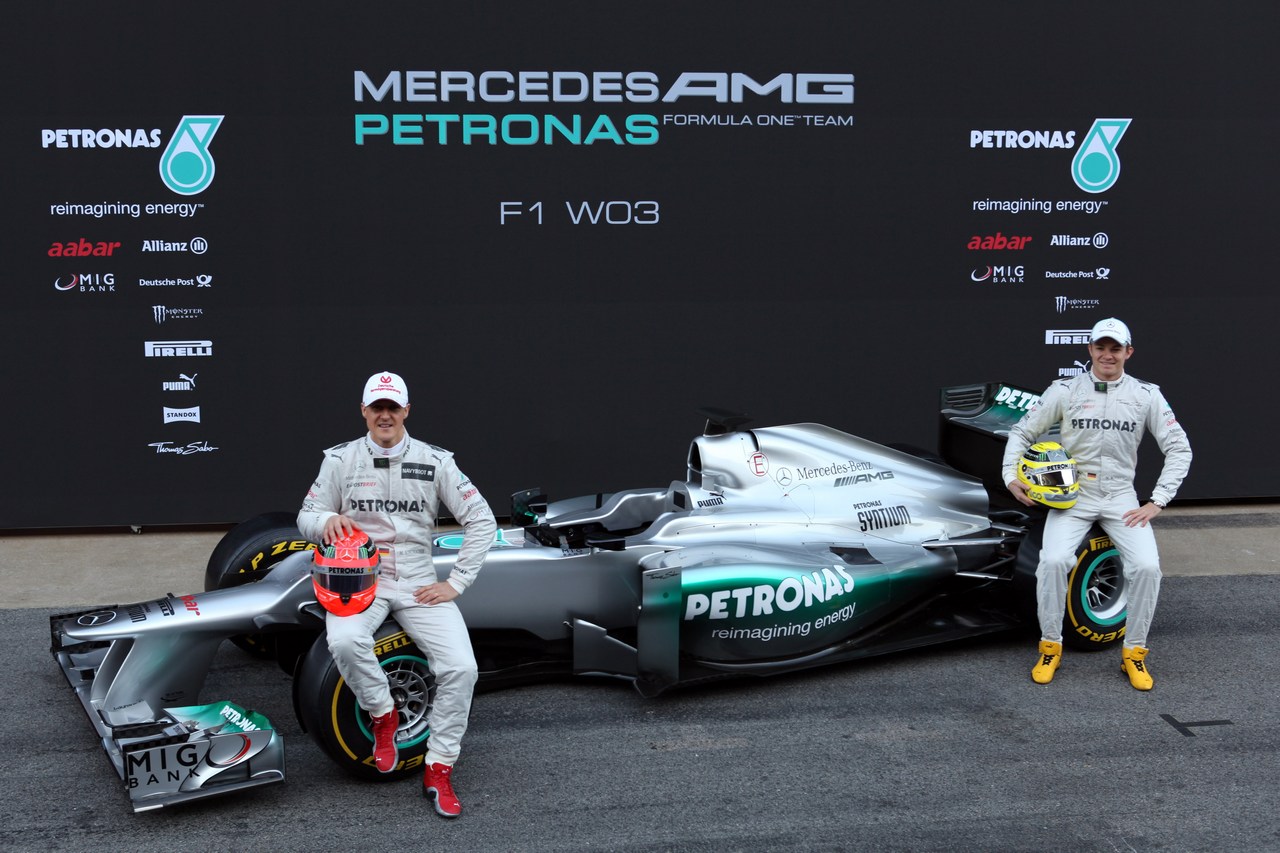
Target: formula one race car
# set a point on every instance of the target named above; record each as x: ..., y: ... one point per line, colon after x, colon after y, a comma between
x: 784, y: 548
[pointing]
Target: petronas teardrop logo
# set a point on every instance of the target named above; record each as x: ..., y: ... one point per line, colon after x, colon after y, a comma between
x: 1096, y: 165
x: 187, y: 167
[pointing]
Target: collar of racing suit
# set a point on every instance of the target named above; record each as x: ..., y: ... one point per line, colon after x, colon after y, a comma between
x: 390, y: 452
x: 1111, y: 386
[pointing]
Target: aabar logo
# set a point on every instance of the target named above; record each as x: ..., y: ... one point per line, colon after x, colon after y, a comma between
x: 82, y: 248
x: 998, y: 242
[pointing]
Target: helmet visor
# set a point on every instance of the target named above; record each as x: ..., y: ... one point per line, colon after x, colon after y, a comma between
x: 345, y: 582
x: 1055, y: 475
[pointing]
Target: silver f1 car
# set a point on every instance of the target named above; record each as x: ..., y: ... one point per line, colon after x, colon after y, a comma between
x: 783, y: 548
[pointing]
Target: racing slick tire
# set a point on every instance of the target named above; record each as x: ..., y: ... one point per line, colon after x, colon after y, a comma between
x: 329, y: 712
x: 1097, y: 603
x: 247, y: 553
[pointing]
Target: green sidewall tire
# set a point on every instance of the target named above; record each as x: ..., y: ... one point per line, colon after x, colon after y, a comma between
x: 1097, y: 601
x: 329, y: 712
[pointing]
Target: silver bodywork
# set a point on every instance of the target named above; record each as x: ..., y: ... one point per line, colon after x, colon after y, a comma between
x: 775, y: 507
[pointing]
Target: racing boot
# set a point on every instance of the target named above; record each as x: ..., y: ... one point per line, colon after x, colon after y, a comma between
x: 1136, y: 668
x: 437, y: 787
x: 385, y: 754
x: 1050, y: 657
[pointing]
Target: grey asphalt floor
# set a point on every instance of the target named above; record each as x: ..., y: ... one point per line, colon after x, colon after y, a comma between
x: 949, y: 748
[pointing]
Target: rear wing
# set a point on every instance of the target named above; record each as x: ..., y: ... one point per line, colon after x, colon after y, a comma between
x: 973, y: 426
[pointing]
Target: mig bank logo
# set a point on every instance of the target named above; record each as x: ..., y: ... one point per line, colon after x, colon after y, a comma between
x: 1096, y: 166
x: 187, y: 167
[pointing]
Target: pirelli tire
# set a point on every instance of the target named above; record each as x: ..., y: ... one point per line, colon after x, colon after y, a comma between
x: 329, y: 712
x: 247, y: 553
x: 1097, y: 601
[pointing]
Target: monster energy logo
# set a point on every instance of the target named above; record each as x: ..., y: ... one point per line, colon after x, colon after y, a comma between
x: 186, y: 167
x: 1096, y: 165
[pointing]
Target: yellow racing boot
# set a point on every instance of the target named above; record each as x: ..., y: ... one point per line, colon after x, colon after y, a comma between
x: 1050, y: 657
x: 1136, y: 668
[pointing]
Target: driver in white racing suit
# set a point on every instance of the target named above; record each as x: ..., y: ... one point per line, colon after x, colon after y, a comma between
x: 391, y: 486
x: 1103, y: 414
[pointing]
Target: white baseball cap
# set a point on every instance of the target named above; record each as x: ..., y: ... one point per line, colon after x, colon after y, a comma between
x: 385, y: 386
x: 1111, y: 328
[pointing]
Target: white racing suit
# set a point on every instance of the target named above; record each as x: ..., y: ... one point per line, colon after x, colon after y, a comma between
x: 1102, y: 430
x: 395, y: 499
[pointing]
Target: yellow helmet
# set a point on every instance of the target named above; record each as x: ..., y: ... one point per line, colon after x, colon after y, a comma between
x: 1049, y: 473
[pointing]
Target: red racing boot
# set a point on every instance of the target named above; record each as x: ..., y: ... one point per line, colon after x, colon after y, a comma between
x: 385, y: 754
x: 437, y: 787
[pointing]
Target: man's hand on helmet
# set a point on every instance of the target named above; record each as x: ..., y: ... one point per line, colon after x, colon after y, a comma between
x: 337, y: 527
x: 1019, y: 491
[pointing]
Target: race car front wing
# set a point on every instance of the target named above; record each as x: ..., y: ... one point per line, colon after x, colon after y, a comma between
x: 184, y: 753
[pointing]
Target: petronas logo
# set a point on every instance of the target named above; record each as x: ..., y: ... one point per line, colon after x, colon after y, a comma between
x: 187, y: 167
x: 1096, y: 165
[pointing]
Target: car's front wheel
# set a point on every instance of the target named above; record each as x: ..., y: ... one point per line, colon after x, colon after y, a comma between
x: 329, y: 712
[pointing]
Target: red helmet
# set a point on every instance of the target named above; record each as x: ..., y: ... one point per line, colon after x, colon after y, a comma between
x: 345, y: 574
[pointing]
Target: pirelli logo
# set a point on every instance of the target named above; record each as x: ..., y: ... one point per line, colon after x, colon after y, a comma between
x: 389, y: 644
x: 1099, y: 543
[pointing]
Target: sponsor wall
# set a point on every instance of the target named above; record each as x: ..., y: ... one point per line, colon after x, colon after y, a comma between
x: 571, y: 225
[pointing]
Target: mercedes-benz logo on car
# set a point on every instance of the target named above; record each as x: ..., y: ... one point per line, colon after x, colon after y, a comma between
x: 784, y: 477
x: 97, y: 617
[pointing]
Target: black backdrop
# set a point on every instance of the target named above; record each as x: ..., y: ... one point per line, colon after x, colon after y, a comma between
x: 811, y: 268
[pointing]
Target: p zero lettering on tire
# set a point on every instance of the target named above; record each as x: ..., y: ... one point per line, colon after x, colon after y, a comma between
x: 329, y: 712
x: 1097, y: 602
x: 247, y: 553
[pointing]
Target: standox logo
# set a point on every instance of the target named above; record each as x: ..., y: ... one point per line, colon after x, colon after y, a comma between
x: 172, y: 415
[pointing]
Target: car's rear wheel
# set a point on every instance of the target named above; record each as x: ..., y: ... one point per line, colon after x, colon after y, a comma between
x: 1097, y: 601
x: 329, y: 712
x: 247, y: 553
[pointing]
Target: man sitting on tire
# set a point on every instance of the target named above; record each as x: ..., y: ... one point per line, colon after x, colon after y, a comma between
x: 391, y: 486
x: 1103, y: 414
